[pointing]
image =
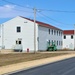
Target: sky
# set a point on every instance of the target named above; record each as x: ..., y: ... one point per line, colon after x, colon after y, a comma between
x: 59, y: 13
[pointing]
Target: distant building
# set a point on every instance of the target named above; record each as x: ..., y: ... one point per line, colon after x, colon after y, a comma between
x: 20, y: 30
x: 68, y: 39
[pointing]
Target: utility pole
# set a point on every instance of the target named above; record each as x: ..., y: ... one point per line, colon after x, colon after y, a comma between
x: 34, y: 30
x: 74, y: 36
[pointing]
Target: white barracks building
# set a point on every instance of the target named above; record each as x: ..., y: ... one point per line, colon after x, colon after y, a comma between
x: 20, y: 30
x: 68, y: 39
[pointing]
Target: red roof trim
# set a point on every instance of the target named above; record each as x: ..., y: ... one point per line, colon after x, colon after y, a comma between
x: 68, y: 32
x: 43, y: 24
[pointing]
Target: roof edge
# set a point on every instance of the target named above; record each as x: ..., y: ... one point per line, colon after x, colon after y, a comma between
x: 43, y: 24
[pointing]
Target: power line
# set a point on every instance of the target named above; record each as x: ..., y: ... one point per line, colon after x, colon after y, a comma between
x: 39, y: 9
x: 57, y: 11
x: 38, y: 14
x: 19, y: 10
x: 23, y: 10
x: 47, y: 19
x: 16, y: 4
x: 53, y: 19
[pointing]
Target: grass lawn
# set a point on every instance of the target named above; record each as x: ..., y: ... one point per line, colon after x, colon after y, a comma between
x: 7, y: 59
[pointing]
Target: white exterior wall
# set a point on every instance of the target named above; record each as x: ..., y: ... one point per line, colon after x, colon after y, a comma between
x: 44, y: 36
x: 10, y: 34
x: 68, y: 42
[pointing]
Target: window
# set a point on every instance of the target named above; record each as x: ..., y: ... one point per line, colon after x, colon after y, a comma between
x: 16, y: 42
x: 61, y: 33
x: 18, y: 29
x: 61, y: 43
x: 52, y: 41
x: 52, y: 32
x: 71, y: 36
x: 38, y: 39
x: 49, y: 31
x: 64, y: 36
x: 49, y: 42
x: 57, y: 32
x: 19, y: 42
x: 57, y: 43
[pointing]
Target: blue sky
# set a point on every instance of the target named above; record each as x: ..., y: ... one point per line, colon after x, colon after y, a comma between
x: 63, y: 20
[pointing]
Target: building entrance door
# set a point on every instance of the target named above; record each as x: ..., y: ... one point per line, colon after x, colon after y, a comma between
x: 18, y: 46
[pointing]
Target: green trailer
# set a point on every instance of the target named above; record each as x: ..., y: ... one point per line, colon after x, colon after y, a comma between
x: 51, y: 46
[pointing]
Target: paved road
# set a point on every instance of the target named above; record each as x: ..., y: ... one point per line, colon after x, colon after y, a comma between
x: 64, y: 67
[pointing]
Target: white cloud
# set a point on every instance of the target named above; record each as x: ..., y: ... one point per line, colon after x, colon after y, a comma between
x: 9, y: 6
x: 9, y: 11
x: 6, y: 8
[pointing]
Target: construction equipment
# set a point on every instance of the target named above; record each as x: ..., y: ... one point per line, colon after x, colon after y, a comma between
x: 51, y: 46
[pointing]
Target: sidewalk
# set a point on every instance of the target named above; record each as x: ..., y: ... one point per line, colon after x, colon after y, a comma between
x: 30, y: 64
